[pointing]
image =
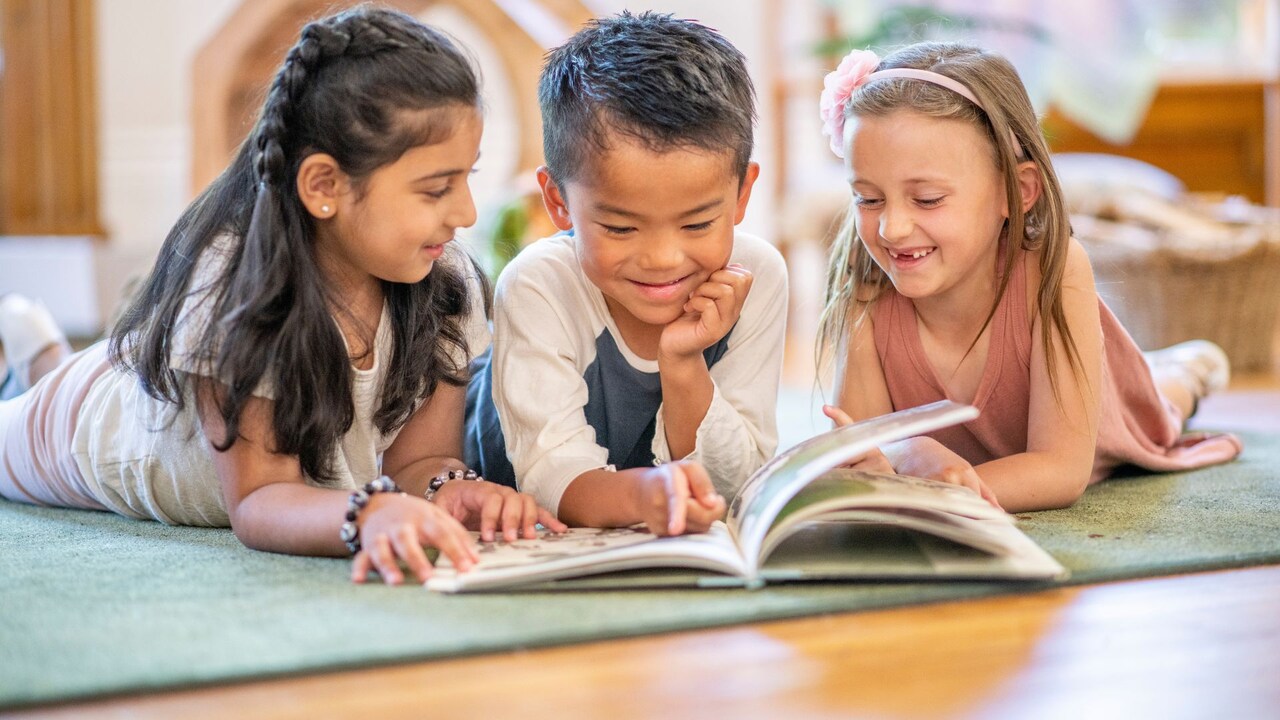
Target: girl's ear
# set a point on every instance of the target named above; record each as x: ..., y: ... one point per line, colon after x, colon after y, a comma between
x: 1029, y: 183
x: 554, y: 201
x: 320, y: 183
x: 744, y: 191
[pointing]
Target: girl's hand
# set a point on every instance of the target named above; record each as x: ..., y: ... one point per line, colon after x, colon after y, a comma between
x: 927, y: 458
x: 872, y: 461
x: 395, y: 527
x: 709, y: 313
x: 482, y: 505
x: 678, y: 497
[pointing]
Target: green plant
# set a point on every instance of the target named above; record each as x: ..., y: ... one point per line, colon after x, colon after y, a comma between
x: 902, y: 24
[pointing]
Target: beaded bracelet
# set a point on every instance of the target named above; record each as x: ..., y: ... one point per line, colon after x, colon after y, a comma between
x: 438, y: 481
x: 350, y: 531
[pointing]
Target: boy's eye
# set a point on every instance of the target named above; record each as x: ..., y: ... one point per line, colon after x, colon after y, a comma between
x: 699, y: 227
x: 617, y: 230
x: 930, y: 202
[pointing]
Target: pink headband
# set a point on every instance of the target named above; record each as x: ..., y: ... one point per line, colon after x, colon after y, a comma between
x: 857, y: 69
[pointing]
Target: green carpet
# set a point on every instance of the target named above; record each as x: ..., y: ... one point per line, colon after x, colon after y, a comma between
x: 92, y: 603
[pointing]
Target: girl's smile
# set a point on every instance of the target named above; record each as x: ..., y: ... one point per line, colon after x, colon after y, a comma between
x: 910, y: 254
x: 909, y: 258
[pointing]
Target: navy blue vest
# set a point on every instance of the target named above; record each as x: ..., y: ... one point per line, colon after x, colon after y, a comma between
x: 622, y: 407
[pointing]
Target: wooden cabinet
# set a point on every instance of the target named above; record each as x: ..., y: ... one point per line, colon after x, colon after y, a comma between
x: 1214, y: 136
x: 48, y: 123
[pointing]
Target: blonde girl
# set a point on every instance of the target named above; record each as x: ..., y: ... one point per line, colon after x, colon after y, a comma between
x: 956, y: 276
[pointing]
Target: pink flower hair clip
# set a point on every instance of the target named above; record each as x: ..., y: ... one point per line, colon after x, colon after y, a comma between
x: 858, y: 68
x: 837, y: 88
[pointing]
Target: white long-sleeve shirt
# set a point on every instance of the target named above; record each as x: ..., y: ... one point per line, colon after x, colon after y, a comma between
x: 571, y: 396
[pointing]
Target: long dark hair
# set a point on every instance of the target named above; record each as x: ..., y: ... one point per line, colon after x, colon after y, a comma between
x: 347, y: 88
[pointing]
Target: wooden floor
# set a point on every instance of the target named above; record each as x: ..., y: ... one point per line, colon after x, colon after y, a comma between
x: 1193, y: 646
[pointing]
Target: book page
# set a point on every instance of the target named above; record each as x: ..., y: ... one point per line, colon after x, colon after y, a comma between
x: 895, y: 526
x: 588, y: 551
x: 879, y: 551
x: 767, y: 492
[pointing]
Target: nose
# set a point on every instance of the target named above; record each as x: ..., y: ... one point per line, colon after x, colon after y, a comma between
x: 462, y: 212
x: 896, y: 223
x: 661, y: 251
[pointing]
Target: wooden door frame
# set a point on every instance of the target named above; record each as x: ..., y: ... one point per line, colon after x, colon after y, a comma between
x: 233, y: 69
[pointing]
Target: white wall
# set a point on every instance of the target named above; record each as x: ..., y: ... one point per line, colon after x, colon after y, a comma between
x: 145, y: 49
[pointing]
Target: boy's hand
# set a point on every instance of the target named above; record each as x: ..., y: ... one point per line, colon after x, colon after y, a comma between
x: 709, y: 313
x: 395, y: 527
x: 482, y: 505
x: 678, y: 497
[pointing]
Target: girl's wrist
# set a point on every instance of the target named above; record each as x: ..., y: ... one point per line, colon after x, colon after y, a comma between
x: 349, y: 532
x: 439, y: 481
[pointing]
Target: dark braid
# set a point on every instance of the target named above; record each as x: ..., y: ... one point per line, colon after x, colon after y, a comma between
x: 346, y: 88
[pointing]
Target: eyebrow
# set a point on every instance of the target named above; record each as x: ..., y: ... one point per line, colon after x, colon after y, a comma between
x: 613, y: 210
x: 908, y: 181
x: 446, y: 173
x: 441, y: 174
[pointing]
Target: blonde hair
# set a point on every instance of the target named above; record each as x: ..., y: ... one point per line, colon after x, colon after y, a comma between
x: 855, y: 282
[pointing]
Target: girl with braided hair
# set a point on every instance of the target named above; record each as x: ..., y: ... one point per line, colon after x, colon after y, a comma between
x: 295, y: 365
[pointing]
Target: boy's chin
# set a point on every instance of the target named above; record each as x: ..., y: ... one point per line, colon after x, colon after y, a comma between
x: 656, y: 315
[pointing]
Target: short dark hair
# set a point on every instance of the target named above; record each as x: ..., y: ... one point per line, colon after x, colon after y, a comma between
x: 665, y: 82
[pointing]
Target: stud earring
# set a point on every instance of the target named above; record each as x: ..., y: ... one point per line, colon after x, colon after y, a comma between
x: 324, y: 209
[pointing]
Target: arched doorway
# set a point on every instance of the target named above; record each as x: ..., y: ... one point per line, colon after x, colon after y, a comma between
x: 233, y: 69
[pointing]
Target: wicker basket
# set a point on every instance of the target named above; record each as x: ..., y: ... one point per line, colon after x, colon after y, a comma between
x: 1166, y: 290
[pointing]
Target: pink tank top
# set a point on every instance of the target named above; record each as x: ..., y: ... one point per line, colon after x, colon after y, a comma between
x: 1136, y: 425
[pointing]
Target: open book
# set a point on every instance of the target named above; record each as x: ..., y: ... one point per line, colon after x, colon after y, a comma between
x: 800, y: 517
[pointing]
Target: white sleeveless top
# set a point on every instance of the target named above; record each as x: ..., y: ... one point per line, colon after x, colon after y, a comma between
x: 143, y: 459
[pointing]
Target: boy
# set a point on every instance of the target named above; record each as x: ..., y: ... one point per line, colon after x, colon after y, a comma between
x: 637, y: 354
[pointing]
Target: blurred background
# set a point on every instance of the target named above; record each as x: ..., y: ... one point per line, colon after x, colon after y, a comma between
x: 115, y: 113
